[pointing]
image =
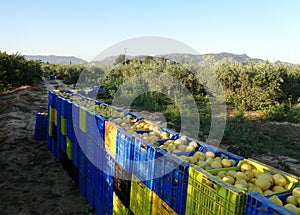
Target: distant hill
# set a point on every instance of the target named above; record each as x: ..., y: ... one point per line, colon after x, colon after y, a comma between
x: 200, y: 59
x: 56, y: 59
x: 210, y: 58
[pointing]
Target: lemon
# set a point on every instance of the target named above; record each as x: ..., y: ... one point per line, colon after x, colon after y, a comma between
x: 249, y: 175
x: 292, y: 208
x: 268, y: 192
x: 210, y: 154
x: 228, y: 179
x: 262, y: 184
x: 231, y: 173
x: 275, y: 199
x: 226, y: 163
x: 216, y: 164
x: 222, y: 174
x: 240, y: 175
x: 245, y: 167
x: 279, y: 180
x: 296, y: 192
x: 266, y: 177
x: 182, y: 148
x: 292, y: 200
x: 277, y: 189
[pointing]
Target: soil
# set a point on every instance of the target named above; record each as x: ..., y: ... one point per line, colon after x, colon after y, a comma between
x: 31, y: 180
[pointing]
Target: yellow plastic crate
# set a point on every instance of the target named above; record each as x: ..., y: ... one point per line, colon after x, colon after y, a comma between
x: 55, y: 117
x: 63, y: 125
x: 110, y: 138
x: 119, y: 208
x: 69, y: 148
x: 82, y: 119
x: 159, y: 207
x: 50, y: 129
x: 293, y: 181
x: 140, y: 197
x: 51, y: 114
x: 209, y: 195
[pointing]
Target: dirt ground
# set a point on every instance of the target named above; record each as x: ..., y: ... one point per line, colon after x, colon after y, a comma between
x: 31, y: 180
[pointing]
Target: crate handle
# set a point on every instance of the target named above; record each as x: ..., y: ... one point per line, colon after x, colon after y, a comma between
x: 140, y: 184
x: 143, y: 146
x: 166, y: 207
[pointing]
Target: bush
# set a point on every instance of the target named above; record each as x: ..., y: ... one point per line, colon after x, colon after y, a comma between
x: 16, y: 71
x: 284, y: 113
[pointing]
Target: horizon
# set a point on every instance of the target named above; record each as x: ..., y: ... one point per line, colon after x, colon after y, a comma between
x: 90, y: 61
x: 267, y: 30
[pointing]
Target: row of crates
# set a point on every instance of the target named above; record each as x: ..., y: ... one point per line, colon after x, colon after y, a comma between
x: 145, y: 178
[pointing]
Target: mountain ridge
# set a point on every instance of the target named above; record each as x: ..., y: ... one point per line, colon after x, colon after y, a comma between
x: 210, y: 58
x: 55, y: 59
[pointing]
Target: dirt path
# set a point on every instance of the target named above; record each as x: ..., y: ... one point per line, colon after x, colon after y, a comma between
x: 31, y: 180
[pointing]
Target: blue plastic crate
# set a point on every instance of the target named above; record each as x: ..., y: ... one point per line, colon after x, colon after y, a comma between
x: 75, y: 153
x: 90, y: 123
x: 41, y: 119
x: 55, y: 101
x: 99, y: 133
x: 54, y: 131
x: 68, y: 111
x: 58, y: 122
x: 171, y: 181
x: 175, y: 135
x: 89, y: 193
x: 58, y: 103
x: 63, y: 143
x: 144, y: 161
x: 81, y: 138
x: 51, y: 95
x: 41, y: 126
x: 136, y: 116
x: 98, y: 204
x: 257, y: 204
x: 40, y: 134
x: 107, y: 167
x: 82, y: 162
x: 98, y: 153
x: 97, y: 181
x: 58, y: 152
x: 75, y: 114
x: 63, y: 106
x: 90, y: 149
x: 124, y: 149
x: 221, y: 153
x: 100, y: 208
x: 70, y: 130
x: 90, y: 169
x: 82, y: 184
x: 107, y: 196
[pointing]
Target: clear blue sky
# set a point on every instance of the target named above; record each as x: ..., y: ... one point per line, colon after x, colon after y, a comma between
x: 267, y: 29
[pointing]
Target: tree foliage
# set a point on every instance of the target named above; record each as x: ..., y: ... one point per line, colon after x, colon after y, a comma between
x: 251, y: 86
x: 16, y: 71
